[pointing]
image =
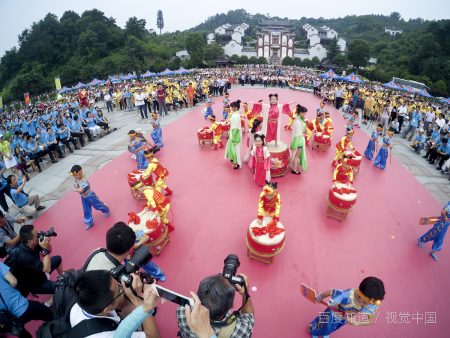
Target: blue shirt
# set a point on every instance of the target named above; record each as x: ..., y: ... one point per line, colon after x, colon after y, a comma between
x: 419, y: 138
x: 76, y: 126
x: 355, y: 99
x: 49, y: 138
x: 91, y: 123
x: 445, y: 149
x: 46, y: 118
x: 30, y: 147
x: 64, y: 134
x: 415, y: 118
x: 31, y: 128
x: 15, y: 302
x: 3, y: 181
x: 20, y: 199
x: 24, y: 126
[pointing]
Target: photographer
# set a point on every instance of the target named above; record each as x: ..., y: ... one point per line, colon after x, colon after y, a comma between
x: 30, y: 269
x: 99, y: 295
x: 22, y: 200
x: 9, y: 240
x: 217, y: 295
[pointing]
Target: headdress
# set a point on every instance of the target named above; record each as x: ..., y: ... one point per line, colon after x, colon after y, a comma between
x: 131, y: 133
x: 137, y: 185
x: 391, y: 132
x: 226, y: 94
x: 319, y: 114
x: 350, y: 132
x: 212, y: 117
x: 148, y: 153
x: 154, y: 114
x: 245, y: 104
x: 76, y: 173
x: 270, y: 187
x: 379, y: 127
x: 369, y: 300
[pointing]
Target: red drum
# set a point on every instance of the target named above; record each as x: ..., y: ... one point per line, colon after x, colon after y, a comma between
x: 279, y: 158
x: 154, y: 230
x: 319, y: 137
x: 136, y: 175
x: 242, y: 123
x: 342, y: 197
x: 264, y: 244
x: 203, y: 134
x: 225, y: 126
x: 355, y: 160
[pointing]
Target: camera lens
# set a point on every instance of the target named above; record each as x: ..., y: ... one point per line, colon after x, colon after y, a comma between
x: 231, y: 263
x: 140, y: 257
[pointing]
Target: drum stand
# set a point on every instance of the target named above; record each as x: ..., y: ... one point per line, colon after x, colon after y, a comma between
x: 225, y: 134
x: 137, y: 195
x: 203, y: 142
x: 344, y: 211
x: 251, y: 253
x: 320, y: 147
x: 164, y: 239
x: 356, y: 170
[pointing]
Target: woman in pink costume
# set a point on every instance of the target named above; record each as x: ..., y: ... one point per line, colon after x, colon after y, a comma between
x: 260, y: 160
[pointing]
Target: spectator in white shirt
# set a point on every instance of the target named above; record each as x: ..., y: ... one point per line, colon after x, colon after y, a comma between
x: 139, y: 103
x: 429, y: 118
x: 402, y: 111
x: 440, y: 121
x: 107, y: 99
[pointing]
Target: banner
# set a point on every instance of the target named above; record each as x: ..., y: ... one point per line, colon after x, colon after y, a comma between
x: 1, y: 102
x: 27, y: 98
x: 58, y: 83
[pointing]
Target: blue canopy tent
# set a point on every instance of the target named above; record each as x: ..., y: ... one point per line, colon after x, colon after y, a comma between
x: 424, y: 92
x: 447, y: 100
x: 409, y: 89
x: 330, y: 75
x: 128, y: 77
x: 64, y: 89
x: 183, y: 71
x: 353, y: 78
x: 113, y: 79
x: 95, y: 82
x: 148, y: 74
x: 167, y: 72
x: 392, y: 85
x: 79, y: 85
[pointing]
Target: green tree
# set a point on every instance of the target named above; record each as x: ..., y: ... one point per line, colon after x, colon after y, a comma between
x: 136, y: 27
x: 213, y: 51
x: 315, y: 61
x: 160, y: 21
x: 306, y: 63
x: 195, y: 45
x: 243, y: 60
x: 235, y: 57
x: 262, y: 60
x: 395, y: 16
x: 175, y: 63
x: 358, y: 53
x: 340, y: 60
x: 253, y: 60
x: 287, y: 61
x: 333, y: 49
x: 297, y: 62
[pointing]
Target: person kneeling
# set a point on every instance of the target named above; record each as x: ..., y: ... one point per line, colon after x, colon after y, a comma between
x: 22, y: 200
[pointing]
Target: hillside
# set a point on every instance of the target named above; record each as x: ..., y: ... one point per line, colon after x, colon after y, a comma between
x: 80, y: 47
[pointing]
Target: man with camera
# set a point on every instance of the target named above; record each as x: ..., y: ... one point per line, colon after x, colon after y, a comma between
x: 29, y: 267
x: 9, y: 239
x: 99, y: 295
x: 216, y: 293
x: 23, y: 201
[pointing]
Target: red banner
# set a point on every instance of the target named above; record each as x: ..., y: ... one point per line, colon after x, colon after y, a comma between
x: 27, y: 98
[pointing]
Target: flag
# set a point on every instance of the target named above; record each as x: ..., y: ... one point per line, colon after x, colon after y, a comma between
x: 58, y: 83
x: 27, y: 98
x: 1, y: 102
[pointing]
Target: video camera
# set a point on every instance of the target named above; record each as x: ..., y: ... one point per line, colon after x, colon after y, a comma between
x: 49, y: 233
x: 230, y: 269
x: 140, y: 257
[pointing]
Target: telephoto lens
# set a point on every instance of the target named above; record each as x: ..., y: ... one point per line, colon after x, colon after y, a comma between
x: 141, y: 256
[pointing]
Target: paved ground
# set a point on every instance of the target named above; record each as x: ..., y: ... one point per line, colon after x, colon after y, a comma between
x: 55, y: 180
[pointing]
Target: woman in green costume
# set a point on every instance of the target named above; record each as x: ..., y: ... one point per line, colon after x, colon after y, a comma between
x: 298, y: 155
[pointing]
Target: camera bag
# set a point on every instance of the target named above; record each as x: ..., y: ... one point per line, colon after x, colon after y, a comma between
x: 8, y: 323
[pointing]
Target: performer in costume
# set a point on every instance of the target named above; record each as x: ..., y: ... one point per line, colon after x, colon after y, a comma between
x: 83, y: 97
x: 256, y: 129
x: 226, y: 112
x: 437, y: 232
x: 249, y: 115
x: 291, y: 121
x: 317, y: 125
x: 260, y: 160
x: 270, y: 203
x: 383, y: 153
x: 271, y: 116
x: 153, y: 269
x: 217, y: 128
x: 343, y: 172
x: 341, y: 146
x: 157, y: 132
x: 160, y: 172
x: 234, y: 144
x: 209, y: 103
x: 156, y: 200
x: 88, y: 198
x: 136, y: 145
x: 298, y: 155
x: 328, y: 124
x: 373, y: 143
x: 366, y: 299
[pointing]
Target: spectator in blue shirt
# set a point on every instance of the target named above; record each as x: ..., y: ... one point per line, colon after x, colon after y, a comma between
x: 78, y: 128
x: 52, y: 143
x: 24, y: 126
x: 36, y: 152
x: 436, y: 145
x: 4, y: 189
x: 20, y: 307
x: 31, y: 126
x: 65, y: 136
x: 416, y: 117
x: 443, y: 152
x: 419, y: 142
x: 27, y: 204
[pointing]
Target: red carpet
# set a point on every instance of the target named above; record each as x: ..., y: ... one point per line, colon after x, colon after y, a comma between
x: 213, y: 205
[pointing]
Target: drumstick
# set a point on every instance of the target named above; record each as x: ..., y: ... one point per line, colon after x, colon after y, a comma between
x: 428, y: 220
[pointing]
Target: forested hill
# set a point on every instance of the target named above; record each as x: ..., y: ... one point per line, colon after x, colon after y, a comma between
x: 80, y: 47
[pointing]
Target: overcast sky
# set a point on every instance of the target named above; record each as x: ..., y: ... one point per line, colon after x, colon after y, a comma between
x: 15, y: 16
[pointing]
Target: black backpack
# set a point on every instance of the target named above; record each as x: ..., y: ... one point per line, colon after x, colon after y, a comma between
x: 64, y: 300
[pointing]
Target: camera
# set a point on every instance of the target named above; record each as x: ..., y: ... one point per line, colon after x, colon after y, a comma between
x: 49, y: 233
x: 140, y: 257
x: 230, y: 269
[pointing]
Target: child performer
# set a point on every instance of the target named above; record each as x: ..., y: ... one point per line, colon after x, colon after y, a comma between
x: 328, y: 124
x: 364, y: 300
x: 341, y: 145
x: 270, y: 203
x: 160, y: 172
x: 249, y: 115
x: 234, y: 144
x: 217, y: 128
x: 256, y: 128
x: 437, y: 232
x: 136, y: 146
x: 88, y: 198
x: 317, y: 125
x: 343, y: 173
x: 381, y: 159
x: 156, y: 133
x: 260, y: 160
x: 209, y: 103
x: 372, y: 147
x: 226, y: 112
x: 291, y: 121
x: 153, y: 269
x: 156, y: 200
x: 298, y: 155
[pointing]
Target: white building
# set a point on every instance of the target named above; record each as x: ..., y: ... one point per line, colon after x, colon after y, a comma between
x: 322, y: 35
x: 393, y: 30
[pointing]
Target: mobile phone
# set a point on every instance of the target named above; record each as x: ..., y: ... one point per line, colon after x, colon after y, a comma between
x: 173, y: 296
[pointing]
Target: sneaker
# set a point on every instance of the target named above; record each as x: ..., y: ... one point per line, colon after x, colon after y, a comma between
x: 420, y: 243
x: 438, y: 168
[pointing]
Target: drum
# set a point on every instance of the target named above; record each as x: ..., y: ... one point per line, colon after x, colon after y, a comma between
x: 342, y: 197
x: 148, y: 226
x: 279, y: 157
x: 136, y: 175
x: 264, y: 244
x: 225, y: 126
x: 355, y: 160
x: 204, y: 134
x: 319, y: 137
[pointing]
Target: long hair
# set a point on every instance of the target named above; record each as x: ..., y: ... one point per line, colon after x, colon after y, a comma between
x: 256, y: 124
x: 236, y: 104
